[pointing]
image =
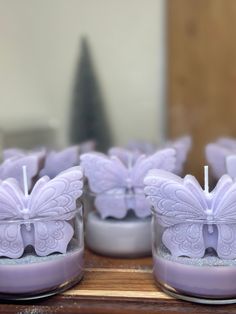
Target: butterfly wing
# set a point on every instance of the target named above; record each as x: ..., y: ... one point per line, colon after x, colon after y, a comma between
x: 224, y: 207
x: 185, y: 239
x: 58, y: 196
x: 182, y: 146
x: 12, y: 168
x: 227, y: 142
x: 57, y: 162
x: 177, y: 200
x: 13, y: 152
x: 126, y: 156
x: 163, y: 159
x: 111, y: 204
x: 52, y: 236
x: 226, y: 244
x: 56, y: 199
x: 216, y: 158
x: 11, y: 204
x: 103, y: 173
x: 231, y: 165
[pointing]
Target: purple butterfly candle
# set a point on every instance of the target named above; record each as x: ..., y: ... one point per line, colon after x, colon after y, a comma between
x: 11, y: 167
x: 182, y: 146
x: 194, y: 235
x: 219, y: 156
x: 41, y: 234
x: 122, y: 214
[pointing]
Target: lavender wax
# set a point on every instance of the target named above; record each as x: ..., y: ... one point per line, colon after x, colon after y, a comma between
x: 42, y: 276
x: 207, y: 278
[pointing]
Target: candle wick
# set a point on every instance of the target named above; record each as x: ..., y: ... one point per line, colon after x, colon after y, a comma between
x: 25, y: 181
x: 206, y: 180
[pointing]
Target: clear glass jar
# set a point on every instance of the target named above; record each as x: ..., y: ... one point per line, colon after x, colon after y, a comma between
x: 209, y: 279
x: 33, y: 275
x: 117, y: 231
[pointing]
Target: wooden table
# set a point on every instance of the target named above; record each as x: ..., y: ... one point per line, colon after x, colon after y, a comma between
x: 113, y: 286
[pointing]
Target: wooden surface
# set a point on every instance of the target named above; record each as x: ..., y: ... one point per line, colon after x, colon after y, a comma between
x: 113, y: 286
x: 201, y: 72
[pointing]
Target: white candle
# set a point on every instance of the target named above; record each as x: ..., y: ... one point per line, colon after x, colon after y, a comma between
x: 127, y: 237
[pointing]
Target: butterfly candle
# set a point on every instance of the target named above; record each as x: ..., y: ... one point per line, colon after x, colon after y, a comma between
x: 118, y: 224
x: 194, y: 236
x: 182, y: 146
x: 219, y: 157
x: 41, y: 235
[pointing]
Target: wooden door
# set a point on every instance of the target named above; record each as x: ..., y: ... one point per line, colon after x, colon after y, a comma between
x: 201, y: 73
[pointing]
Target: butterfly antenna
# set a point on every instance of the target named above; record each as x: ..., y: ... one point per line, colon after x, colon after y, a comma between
x: 25, y: 181
x: 206, y: 180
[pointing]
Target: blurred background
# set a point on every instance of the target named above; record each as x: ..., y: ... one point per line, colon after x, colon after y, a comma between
x: 117, y: 70
x: 69, y: 65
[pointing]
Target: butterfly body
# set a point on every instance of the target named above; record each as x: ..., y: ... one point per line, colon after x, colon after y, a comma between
x: 193, y: 219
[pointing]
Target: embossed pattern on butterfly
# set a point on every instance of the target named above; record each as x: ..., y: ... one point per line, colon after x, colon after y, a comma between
x: 41, y: 234
x: 119, y: 219
x: 194, y: 236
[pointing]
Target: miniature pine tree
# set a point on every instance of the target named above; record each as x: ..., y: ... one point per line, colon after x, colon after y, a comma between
x: 88, y: 116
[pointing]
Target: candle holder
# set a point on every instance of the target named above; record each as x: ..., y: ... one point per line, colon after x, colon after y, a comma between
x: 118, y: 221
x: 194, y: 237
x: 41, y: 236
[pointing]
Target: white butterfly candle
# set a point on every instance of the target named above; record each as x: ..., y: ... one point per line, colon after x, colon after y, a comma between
x: 41, y: 235
x: 119, y: 222
x: 194, y: 236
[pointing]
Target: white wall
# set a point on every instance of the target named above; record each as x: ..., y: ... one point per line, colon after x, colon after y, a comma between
x: 39, y: 50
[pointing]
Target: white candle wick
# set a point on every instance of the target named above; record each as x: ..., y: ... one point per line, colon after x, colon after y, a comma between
x: 25, y: 181
x: 206, y: 180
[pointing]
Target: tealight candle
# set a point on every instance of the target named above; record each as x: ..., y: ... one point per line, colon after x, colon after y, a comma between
x: 41, y: 235
x: 194, y: 236
x: 119, y: 224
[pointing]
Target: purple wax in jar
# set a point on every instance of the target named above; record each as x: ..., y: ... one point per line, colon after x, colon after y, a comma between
x: 35, y: 275
x: 207, y: 277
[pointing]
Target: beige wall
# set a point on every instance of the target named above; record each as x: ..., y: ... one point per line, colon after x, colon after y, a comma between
x: 39, y: 41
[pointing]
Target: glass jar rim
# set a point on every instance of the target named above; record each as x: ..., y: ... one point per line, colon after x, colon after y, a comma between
x: 55, y: 217
x: 173, y: 220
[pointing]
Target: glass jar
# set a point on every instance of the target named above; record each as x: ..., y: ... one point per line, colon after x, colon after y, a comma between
x: 209, y: 280
x: 116, y: 230
x: 42, y: 270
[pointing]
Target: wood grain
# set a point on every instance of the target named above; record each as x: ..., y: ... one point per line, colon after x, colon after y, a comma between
x: 201, y: 73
